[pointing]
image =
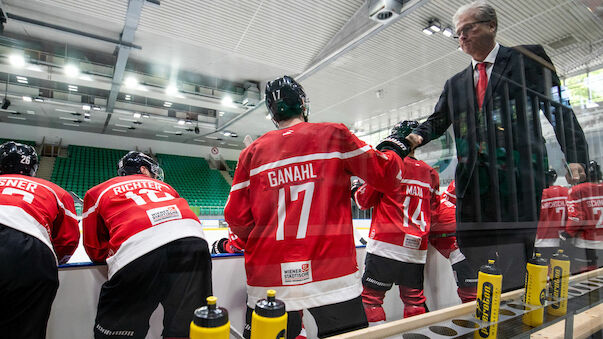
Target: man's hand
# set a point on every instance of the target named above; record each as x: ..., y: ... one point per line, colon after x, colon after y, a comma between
x: 575, y: 174
x: 414, y: 139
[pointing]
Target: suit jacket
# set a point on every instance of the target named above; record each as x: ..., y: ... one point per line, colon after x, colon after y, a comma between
x: 501, y: 151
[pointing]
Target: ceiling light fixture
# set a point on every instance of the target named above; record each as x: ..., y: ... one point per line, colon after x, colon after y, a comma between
x: 137, y: 115
x: 145, y: 115
x: 227, y: 101
x: 128, y: 97
x: 434, y: 25
x: 171, y: 90
x: 427, y: 31
x: 181, y: 122
x: 38, y: 99
x: 86, y: 107
x: 96, y: 108
x: 167, y: 104
x: 16, y: 60
x: 85, y: 77
x: 131, y: 82
x: 27, y: 98
x: 22, y: 79
x: 448, y: 32
x: 71, y: 70
x: 72, y: 88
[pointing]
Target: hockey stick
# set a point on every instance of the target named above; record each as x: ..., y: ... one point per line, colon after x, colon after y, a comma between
x: 76, y: 198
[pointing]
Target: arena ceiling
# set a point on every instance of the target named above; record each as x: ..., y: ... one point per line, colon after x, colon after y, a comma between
x: 187, y: 55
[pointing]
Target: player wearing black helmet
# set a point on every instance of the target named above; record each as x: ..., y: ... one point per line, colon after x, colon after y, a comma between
x: 302, y: 168
x: 151, y: 241
x: 139, y: 163
x: 38, y: 229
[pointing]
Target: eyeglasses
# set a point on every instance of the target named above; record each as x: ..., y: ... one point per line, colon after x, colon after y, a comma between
x: 468, y: 27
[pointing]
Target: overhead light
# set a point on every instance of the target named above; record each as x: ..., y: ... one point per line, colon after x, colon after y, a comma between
x: 131, y: 82
x: 64, y: 110
x: 188, y: 122
x: 427, y: 31
x: 227, y: 101
x: 86, y: 107
x: 221, y: 113
x: 435, y: 26
x: 16, y: 60
x: 181, y: 122
x: 171, y: 90
x: 128, y: 97
x: 96, y: 108
x: 22, y: 79
x: 85, y: 77
x: 38, y: 99
x: 72, y: 88
x: 16, y: 117
x: 167, y: 104
x: 71, y: 70
x: 27, y: 99
x: 86, y: 115
x: 136, y: 115
x: 447, y: 32
x: 226, y: 133
x: 145, y: 115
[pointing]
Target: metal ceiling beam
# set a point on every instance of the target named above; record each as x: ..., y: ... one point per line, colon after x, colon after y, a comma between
x: 70, y: 30
x: 123, y: 52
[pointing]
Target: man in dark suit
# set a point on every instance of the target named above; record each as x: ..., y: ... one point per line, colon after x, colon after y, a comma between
x: 493, y: 106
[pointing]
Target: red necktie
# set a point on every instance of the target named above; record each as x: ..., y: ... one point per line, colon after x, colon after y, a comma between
x: 482, y: 84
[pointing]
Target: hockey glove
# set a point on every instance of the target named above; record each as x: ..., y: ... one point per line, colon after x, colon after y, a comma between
x: 395, y: 143
x: 356, y: 184
x: 218, y: 246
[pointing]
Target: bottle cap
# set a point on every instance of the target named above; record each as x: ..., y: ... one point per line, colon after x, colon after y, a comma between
x: 491, y: 261
x: 270, y: 307
x: 210, y: 315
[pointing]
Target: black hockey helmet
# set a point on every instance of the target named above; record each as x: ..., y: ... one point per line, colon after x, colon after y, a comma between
x: 16, y: 158
x: 551, y: 176
x: 593, y: 172
x: 404, y: 128
x: 130, y: 164
x: 286, y: 99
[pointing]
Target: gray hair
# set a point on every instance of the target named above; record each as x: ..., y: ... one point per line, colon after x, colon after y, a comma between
x: 485, y: 12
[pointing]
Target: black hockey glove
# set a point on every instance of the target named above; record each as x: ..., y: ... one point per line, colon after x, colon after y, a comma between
x: 218, y: 246
x: 356, y: 184
x: 395, y: 143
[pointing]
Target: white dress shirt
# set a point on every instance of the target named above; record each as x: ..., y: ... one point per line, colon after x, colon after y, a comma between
x: 490, y: 64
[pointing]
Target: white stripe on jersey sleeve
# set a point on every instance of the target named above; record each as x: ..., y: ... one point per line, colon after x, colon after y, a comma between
x: 239, y: 186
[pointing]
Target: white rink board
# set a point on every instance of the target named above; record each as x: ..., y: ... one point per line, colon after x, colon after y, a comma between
x: 74, y: 308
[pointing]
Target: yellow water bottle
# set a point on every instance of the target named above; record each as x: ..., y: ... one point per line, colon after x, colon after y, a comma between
x: 559, y: 276
x: 210, y: 322
x: 536, y: 276
x: 269, y: 319
x: 489, y: 284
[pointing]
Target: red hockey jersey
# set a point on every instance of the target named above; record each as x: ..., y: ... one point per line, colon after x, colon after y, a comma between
x: 585, y: 215
x: 401, y: 219
x: 41, y: 209
x: 553, y: 216
x: 450, y: 193
x: 290, y: 205
x: 127, y: 217
x: 443, y: 227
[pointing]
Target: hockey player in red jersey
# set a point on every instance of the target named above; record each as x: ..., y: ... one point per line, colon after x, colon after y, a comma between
x: 232, y: 244
x: 585, y: 217
x: 553, y: 216
x: 443, y: 238
x: 397, y: 245
x: 289, y: 204
x: 38, y: 229
x: 154, y: 247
